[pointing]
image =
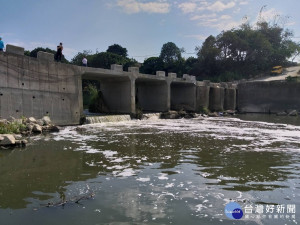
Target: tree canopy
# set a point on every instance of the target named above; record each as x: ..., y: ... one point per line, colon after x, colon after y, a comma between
x: 245, y: 51
x: 105, y: 59
x: 233, y: 54
x: 118, y: 50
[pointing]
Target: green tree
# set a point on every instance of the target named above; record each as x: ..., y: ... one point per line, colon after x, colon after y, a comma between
x: 171, y: 56
x: 77, y: 59
x: 191, y: 65
x: 117, y: 49
x: 208, y: 55
x: 245, y: 51
x: 151, y: 65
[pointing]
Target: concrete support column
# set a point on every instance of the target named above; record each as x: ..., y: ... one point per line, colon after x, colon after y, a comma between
x: 132, y: 96
x: 216, y: 99
x: 230, y: 99
x: 202, y: 97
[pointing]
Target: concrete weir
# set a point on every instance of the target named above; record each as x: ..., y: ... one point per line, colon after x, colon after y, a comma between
x: 39, y: 86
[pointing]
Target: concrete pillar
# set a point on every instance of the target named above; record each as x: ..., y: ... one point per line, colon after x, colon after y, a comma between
x: 133, y: 70
x: 230, y: 99
x: 160, y: 73
x: 14, y: 49
x: 116, y: 67
x: 132, y: 97
x: 216, y: 99
x: 202, y: 97
x: 172, y: 75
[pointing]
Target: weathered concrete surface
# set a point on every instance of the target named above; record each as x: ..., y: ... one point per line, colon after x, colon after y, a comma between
x: 14, y: 50
x: 268, y: 97
x: 230, y: 99
x: 216, y: 98
x: 152, y: 93
x: 202, y: 96
x: 45, y: 56
x: 115, y: 86
x: 183, y: 96
x: 40, y: 87
x: 35, y: 87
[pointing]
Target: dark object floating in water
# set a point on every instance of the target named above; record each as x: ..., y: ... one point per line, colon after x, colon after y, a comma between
x: 70, y: 201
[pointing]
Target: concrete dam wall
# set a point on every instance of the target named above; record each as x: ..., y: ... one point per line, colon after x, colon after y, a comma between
x: 268, y: 97
x: 39, y: 86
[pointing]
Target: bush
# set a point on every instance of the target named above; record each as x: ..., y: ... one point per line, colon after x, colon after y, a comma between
x: 11, y: 128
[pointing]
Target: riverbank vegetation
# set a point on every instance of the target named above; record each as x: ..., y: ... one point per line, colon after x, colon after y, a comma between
x: 13, y: 127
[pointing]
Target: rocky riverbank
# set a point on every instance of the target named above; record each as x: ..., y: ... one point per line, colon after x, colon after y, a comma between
x: 15, y: 132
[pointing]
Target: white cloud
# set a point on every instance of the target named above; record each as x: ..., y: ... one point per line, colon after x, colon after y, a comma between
x: 188, y: 7
x: 244, y: 3
x: 133, y: 6
x: 197, y: 5
x: 268, y: 15
x: 225, y: 17
x: 220, y: 6
x: 197, y: 36
x: 203, y: 17
x: 220, y: 24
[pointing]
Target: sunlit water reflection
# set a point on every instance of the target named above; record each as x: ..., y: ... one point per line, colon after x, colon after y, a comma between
x: 153, y: 172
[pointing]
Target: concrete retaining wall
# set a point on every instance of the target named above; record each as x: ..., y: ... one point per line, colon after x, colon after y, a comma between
x: 39, y: 87
x: 268, y: 97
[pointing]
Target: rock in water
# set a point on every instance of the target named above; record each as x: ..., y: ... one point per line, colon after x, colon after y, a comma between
x: 31, y: 120
x: 214, y: 114
x: 37, y: 128
x: 7, y: 139
x: 293, y: 113
x: 46, y: 120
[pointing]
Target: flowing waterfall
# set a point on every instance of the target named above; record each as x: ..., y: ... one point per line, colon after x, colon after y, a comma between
x: 108, y: 118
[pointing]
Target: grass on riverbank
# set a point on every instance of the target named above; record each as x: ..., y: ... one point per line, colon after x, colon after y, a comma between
x: 11, y: 127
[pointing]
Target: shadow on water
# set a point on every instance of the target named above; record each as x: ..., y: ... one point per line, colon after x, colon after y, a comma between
x: 39, y: 172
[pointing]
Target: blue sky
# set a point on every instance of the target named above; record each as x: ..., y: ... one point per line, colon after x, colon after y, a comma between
x: 141, y: 26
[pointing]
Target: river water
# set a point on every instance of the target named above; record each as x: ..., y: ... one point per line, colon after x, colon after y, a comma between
x: 156, y: 172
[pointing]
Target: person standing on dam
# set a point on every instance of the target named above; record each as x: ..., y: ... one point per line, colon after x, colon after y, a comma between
x: 59, y: 52
x: 1, y: 45
x: 84, y: 62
